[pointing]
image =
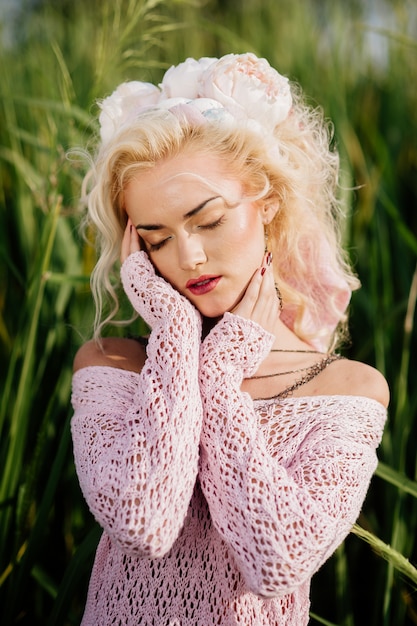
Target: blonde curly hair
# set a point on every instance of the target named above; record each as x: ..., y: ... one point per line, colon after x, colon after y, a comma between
x: 300, y: 175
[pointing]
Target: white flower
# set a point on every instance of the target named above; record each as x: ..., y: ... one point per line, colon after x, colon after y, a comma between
x: 241, y: 87
x: 183, y: 80
x: 170, y: 103
x: 196, y: 110
x: 248, y: 87
x: 122, y: 105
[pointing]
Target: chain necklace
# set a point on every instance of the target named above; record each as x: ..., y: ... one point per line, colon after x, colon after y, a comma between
x: 298, y: 351
x: 311, y: 372
x: 301, y: 369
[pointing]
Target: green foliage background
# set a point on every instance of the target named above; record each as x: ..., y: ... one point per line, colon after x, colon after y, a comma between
x: 357, y: 60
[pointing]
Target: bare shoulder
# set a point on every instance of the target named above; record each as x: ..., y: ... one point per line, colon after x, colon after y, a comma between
x: 346, y: 377
x: 126, y: 354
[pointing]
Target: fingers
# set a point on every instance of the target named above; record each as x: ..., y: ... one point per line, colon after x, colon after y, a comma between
x: 260, y: 302
x: 247, y: 304
x: 130, y: 241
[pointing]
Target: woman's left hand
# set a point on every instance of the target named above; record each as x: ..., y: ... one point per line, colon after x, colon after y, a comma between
x: 261, y: 303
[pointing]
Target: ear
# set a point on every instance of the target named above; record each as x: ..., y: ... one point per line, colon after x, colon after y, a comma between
x: 268, y: 210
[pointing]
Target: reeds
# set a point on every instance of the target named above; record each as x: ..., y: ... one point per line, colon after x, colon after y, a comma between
x: 64, y: 58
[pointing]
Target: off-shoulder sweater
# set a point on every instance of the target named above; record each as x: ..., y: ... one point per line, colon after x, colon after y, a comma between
x: 216, y: 509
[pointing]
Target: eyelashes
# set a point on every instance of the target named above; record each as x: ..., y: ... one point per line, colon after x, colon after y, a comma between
x: 154, y: 247
x: 213, y: 225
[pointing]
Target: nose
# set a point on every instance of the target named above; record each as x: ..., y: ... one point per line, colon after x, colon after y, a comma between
x: 190, y: 252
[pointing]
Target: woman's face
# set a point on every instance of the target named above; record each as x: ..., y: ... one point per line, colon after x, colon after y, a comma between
x: 200, y: 234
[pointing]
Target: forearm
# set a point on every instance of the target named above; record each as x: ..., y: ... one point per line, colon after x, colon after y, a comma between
x: 137, y: 454
x: 282, y: 519
x: 137, y: 457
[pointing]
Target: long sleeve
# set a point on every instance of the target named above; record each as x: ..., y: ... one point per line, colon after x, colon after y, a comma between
x: 284, y: 483
x: 136, y: 436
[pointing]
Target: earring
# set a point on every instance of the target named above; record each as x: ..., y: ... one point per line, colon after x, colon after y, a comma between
x: 279, y: 296
x: 269, y: 261
x: 266, y: 238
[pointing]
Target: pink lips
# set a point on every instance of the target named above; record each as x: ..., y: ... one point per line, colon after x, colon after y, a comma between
x: 202, y: 285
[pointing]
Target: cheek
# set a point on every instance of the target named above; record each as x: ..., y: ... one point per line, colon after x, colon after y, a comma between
x: 248, y: 232
x: 166, y: 265
x: 163, y: 266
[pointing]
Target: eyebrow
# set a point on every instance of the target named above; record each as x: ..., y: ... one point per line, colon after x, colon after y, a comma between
x: 187, y: 215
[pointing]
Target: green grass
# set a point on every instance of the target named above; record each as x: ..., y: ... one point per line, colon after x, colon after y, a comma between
x: 65, y: 56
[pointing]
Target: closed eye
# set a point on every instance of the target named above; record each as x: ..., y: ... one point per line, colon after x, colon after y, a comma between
x: 153, y: 247
x: 213, y: 224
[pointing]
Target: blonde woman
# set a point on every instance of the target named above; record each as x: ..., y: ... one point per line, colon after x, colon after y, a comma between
x: 228, y: 454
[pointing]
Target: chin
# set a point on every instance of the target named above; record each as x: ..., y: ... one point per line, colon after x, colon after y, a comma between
x: 212, y: 313
x: 212, y: 310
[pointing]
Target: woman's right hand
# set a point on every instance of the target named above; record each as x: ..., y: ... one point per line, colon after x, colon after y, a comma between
x: 130, y: 241
x: 151, y: 295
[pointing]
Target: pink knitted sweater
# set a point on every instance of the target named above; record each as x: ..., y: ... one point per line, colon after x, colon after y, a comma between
x: 216, y: 509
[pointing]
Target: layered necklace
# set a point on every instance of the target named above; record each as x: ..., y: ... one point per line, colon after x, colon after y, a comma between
x: 310, y: 371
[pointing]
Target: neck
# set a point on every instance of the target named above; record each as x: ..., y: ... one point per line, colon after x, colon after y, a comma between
x: 286, y: 339
x: 208, y: 324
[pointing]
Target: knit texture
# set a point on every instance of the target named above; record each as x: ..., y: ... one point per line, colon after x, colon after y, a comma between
x: 216, y: 509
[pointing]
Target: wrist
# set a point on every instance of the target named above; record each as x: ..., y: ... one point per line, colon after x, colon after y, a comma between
x: 239, y: 342
x: 156, y: 301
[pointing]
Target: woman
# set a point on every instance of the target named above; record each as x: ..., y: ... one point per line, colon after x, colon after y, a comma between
x: 228, y: 454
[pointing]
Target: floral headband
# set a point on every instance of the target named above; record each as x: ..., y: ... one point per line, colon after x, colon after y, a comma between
x: 235, y: 87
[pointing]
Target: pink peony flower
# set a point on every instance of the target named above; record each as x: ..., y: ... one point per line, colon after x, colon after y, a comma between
x: 248, y: 87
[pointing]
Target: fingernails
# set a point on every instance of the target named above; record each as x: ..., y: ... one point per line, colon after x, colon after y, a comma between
x: 263, y: 270
x: 269, y: 258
